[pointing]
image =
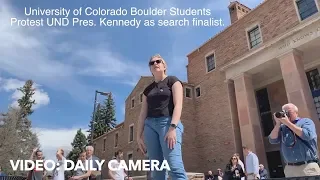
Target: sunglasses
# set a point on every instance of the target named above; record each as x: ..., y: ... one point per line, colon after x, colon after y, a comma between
x: 234, y: 158
x: 156, y: 61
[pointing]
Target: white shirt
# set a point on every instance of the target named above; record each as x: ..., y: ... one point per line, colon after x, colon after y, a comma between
x: 119, y: 173
x: 58, y: 173
x: 242, y: 166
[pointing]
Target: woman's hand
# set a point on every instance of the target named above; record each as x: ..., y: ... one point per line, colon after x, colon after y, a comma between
x: 171, y: 137
x: 233, y: 168
x: 141, y: 145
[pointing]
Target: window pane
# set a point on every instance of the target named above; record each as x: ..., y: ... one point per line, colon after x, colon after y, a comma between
x: 131, y: 133
x: 267, y: 123
x: 210, y: 63
x: 314, y: 79
x: 263, y: 100
x: 198, y: 92
x: 306, y: 8
x: 254, y: 37
x: 188, y: 92
x: 116, y: 141
x: 257, y: 33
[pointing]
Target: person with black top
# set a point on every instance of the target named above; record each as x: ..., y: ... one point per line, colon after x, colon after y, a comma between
x: 233, y: 170
x: 160, y: 129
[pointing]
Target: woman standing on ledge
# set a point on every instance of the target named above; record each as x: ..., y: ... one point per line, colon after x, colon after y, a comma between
x: 160, y: 129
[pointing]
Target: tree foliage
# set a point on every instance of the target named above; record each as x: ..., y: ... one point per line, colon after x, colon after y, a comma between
x: 109, y: 114
x: 105, y: 118
x: 26, y: 101
x: 8, y: 134
x: 16, y: 142
x: 17, y: 138
x: 78, y: 145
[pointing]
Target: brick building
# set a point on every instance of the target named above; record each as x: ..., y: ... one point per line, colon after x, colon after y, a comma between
x: 267, y: 57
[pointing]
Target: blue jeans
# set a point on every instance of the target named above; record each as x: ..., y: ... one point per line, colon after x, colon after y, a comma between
x: 155, y: 130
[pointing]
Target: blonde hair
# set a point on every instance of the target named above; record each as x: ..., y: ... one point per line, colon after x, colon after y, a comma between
x: 163, y: 61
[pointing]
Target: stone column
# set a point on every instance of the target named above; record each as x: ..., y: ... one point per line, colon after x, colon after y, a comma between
x: 249, y: 120
x: 297, y: 86
x: 234, y: 116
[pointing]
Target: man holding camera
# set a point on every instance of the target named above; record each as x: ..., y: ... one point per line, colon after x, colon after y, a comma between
x: 298, y: 139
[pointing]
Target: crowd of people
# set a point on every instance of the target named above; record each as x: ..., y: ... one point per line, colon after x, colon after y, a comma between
x: 236, y: 169
x: 59, y: 172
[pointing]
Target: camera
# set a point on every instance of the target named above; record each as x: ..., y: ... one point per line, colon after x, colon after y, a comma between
x: 282, y: 114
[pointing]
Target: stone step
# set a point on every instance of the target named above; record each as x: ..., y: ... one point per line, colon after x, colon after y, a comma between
x: 195, y: 176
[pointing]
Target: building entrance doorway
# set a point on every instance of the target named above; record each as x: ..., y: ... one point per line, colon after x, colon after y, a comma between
x: 265, y: 111
x: 275, y: 167
x: 275, y: 164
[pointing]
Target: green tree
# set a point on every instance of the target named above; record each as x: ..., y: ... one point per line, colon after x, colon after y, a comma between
x: 29, y: 139
x: 26, y: 102
x: 17, y: 139
x: 15, y: 130
x: 78, y: 145
x: 105, y: 118
x: 109, y: 114
x: 97, y: 126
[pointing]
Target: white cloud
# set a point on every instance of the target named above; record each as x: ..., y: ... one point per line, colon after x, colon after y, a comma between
x: 103, y: 62
x: 52, y: 139
x: 28, y: 53
x: 35, y: 53
x: 123, y: 109
x: 165, y: 4
x: 40, y: 96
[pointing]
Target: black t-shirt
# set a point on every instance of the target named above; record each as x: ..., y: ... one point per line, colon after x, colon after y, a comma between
x: 159, y: 97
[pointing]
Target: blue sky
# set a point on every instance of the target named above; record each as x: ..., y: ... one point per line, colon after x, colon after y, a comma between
x: 69, y: 63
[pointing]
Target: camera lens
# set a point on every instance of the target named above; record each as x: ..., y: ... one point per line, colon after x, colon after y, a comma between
x: 279, y: 114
